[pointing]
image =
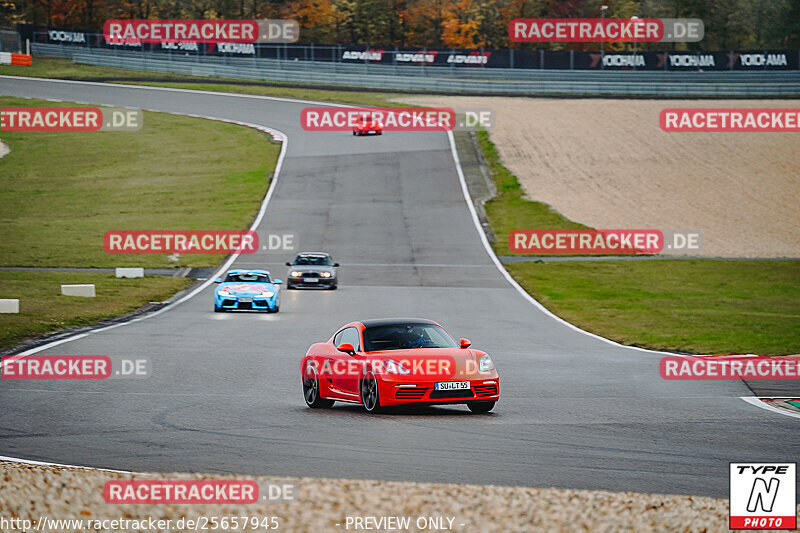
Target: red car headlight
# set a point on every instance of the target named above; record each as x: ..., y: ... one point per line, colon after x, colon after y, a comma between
x: 393, y: 367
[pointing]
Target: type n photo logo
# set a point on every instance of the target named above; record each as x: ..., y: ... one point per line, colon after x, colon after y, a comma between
x: 763, y: 495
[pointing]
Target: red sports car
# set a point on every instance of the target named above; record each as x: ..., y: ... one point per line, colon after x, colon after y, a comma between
x: 385, y: 362
x: 367, y: 127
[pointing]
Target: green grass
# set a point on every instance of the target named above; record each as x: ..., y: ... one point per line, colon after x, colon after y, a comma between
x: 43, y: 309
x: 56, y: 67
x: 51, y: 67
x: 697, y: 306
x: 302, y: 93
x: 62, y: 191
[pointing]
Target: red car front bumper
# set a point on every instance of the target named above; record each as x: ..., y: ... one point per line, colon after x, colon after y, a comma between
x: 422, y: 392
x: 371, y: 130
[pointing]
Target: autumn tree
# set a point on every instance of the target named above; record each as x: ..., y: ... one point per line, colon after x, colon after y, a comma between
x: 729, y: 24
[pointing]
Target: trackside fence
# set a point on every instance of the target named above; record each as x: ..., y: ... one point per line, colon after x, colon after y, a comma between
x: 10, y: 41
x: 733, y: 83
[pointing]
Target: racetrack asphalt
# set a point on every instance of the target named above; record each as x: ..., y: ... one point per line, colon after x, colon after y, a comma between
x: 225, y: 396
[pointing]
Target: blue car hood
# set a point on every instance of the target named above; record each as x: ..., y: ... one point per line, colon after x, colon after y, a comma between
x: 247, y: 288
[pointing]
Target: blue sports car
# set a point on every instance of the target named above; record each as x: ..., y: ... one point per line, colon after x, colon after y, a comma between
x: 247, y: 289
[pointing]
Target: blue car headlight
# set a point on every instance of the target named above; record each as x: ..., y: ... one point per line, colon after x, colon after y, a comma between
x: 268, y: 294
x: 224, y: 293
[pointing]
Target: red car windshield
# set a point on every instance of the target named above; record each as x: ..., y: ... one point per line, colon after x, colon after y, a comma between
x: 406, y: 336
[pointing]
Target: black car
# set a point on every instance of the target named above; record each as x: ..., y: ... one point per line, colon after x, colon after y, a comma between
x: 312, y: 269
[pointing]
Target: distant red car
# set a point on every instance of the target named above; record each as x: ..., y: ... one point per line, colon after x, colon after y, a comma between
x: 368, y: 127
x: 385, y: 362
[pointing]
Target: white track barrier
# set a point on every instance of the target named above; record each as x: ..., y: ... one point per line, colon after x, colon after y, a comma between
x: 86, y: 290
x: 9, y: 305
x: 130, y: 272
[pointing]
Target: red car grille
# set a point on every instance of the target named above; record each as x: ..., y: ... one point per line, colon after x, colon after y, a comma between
x: 409, y: 393
x: 485, y: 390
x: 452, y: 394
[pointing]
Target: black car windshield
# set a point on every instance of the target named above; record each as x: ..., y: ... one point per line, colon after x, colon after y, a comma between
x: 406, y: 336
x: 248, y: 277
x: 313, y: 260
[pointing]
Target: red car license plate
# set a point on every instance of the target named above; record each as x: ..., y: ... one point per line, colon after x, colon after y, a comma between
x: 451, y: 385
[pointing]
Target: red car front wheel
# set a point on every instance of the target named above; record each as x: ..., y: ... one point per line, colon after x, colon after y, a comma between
x: 369, y: 393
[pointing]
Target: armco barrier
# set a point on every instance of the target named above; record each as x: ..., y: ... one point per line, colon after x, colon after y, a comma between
x: 494, y: 81
x: 505, y: 74
x: 451, y: 58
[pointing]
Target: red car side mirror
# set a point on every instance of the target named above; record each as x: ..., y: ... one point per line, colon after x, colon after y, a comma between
x: 346, y: 347
x: 465, y: 343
